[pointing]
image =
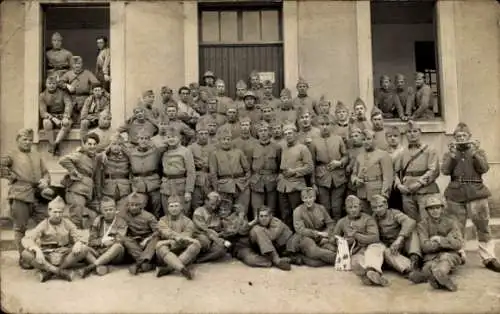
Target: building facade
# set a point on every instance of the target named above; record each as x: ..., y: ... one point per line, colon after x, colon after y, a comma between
x: 340, y: 47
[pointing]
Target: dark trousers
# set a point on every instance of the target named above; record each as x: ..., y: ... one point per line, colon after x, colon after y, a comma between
x: 287, y: 203
x: 139, y: 254
x: 21, y: 213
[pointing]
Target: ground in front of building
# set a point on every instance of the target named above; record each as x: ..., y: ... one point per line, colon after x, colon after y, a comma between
x: 231, y: 287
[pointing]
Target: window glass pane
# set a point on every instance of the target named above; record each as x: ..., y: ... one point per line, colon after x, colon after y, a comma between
x: 251, y: 26
x: 270, y: 26
x: 210, y: 26
x: 229, y: 26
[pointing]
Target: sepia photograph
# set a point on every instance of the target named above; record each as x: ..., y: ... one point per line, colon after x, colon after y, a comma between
x: 249, y: 156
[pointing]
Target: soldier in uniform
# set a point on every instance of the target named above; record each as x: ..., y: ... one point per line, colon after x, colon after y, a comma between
x: 355, y: 148
x: 212, y: 113
x: 378, y: 129
x: 241, y: 89
x: 417, y: 170
x: 104, y: 130
x: 303, y: 100
x: 146, y: 102
x: 140, y: 122
x: 78, y: 82
x: 398, y: 235
x: 92, y: 107
x: 173, y: 121
x: 267, y: 95
x: 307, y: 132
x: 277, y: 133
x: 265, y: 161
x: 423, y: 99
x: 466, y: 194
x: 233, y: 121
x: 373, y: 172
x: 28, y: 176
x: 112, y: 174
x: 185, y: 110
x: 160, y: 139
x: 359, y: 115
x: 54, y: 245
x: 166, y: 96
x: 245, y: 142
x: 208, y: 83
x: 405, y: 96
x: 201, y: 103
x: 361, y: 233
x: 251, y: 111
x: 296, y: 163
x: 230, y: 171
x: 268, y: 113
x: 201, y: 150
x: 323, y: 108
x: 79, y: 181
x: 212, y: 127
x: 58, y: 58
x: 103, y: 62
x: 207, y: 225
x: 141, y: 237
x: 194, y: 91
x: 330, y: 157
x: 341, y: 125
x: 255, y: 86
x: 395, y: 149
x: 385, y: 100
x: 314, y: 226
x: 222, y: 100
x: 440, y: 240
x: 56, y: 109
x: 286, y: 111
x: 178, y: 172
x: 177, y: 247
x: 105, y: 248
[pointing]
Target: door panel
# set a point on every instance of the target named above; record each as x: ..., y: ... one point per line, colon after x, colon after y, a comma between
x: 235, y: 62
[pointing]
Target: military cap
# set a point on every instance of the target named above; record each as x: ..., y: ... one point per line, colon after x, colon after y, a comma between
x: 375, y: 112
x: 76, y: 59
x: 57, y: 35
x: 286, y: 92
x: 226, y: 203
x: 323, y: 118
x: 231, y: 106
x: 267, y: 83
x: 93, y: 136
x: 302, y: 111
x: 25, y: 132
x: 51, y: 79
x: 165, y: 89
x: 105, y: 113
x: 241, y: 84
x: 201, y: 126
x: 96, y: 85
x: 307, y: 192
x: 48, y: 193
x: 355, y: 129
x: 262, y: 125
x: 194, y: 85
x: 289, y: 126
x: 413, y: 125
x: 394, y: 130
x: 384, y: 77
x: 352, y: 200
x: 433, y: 201
x: 254, y: 73
x: 399, y: 76
x: 224, y: 131
x: 302, y: 81
x: 174, y: 199
x: 245, y: 119
x: 172, y: 104
x: 116, y: 139
x: 461, y: 127
x: 172, y: 131
x: 341, y: 106
x: 139, y: 109
x: 212, y: 99
x: 359, y: 101
x: 266, y: 105
x: 139, y: 198
x: 148, y: 92
x: 213, y: 194
x: 419, y: 75
x: 212, y: 121
x: 368, y: 132
x: 57, y: 203
x: 107, y: 202
x: 209, y: 74
x: 323, y: 101
x: 377, y: 198
x: 249, y: 93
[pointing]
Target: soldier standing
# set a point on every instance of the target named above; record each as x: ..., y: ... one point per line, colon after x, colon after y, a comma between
x: 79, y: 181
x: 303, y: 100
x: 28, y: 176
x: 212, y: 113
x: 395, y: 149
x: 104, y: 130
x: 160, y: 139
x: 330, y: 158
x: 296, y: 163
x: 147, y: 101
x: 233, y: 121
x: 417, y: 170
x: 466, y: 194
x: 222, y: 100
x: 265, y: 161
x: 267, y: 95
x: 56, y: 109
x: 378, y: 129
x: 208, y: 83
x: 241, y: 89
x: 185, y: 111
x: 245, y: 142
x: 173, y: 121
x: 58, y: 58
x: 307, y: 132
x: 103, y: 62
x: 277, y: 133
x: 359, y: 115
x: 341, y: 125
x: 355, y: 148
x: 286, y: 111
x: 256, y: 86
x: 373, y: 172
x: 138, y: 123
x: 251, y: 111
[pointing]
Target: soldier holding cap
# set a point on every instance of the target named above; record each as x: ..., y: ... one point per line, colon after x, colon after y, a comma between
x: 105, y: 246
x: 54, y: 245
x: 56, y: 109
x: 58, y: 58
x: 141, y: 238
x: 28, y: 175
x: 466, y: 194
x: 417, y: 170
x: 92, y: 107
x: 296, y: 163
x: 303, y: 100
x: 440, y: 240
x: 177, y: 247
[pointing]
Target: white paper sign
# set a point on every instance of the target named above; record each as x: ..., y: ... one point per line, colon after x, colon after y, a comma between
x: 266, y: 76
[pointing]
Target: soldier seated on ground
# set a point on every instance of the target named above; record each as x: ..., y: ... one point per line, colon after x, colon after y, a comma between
x: 208, y: 225
x: 361, y: 233
x: 105, y: 248
x: 314, y: 225
x: 141, y: 238
x: 176, y: 247
x: 54, y: 245
x: 440, y: 240
x: 399, y: 236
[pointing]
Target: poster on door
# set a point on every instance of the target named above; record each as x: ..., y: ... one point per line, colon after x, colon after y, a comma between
x: 267, y: 76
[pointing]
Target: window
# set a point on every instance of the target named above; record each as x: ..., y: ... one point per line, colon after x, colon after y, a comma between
x: 404, y: 42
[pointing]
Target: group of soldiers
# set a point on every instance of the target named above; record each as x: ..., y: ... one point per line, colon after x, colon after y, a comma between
x: 272, y: 181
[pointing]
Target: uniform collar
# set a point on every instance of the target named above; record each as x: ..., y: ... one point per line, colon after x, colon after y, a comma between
x: 415, y: 145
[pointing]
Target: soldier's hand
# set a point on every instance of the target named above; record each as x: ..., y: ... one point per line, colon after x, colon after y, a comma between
x: 227, y: 244
x: 56, y: 121
x: 334, y: 164
x: 436, y: 239
x: 404, y: 118
x: 43, y: 184
x: 107, y: 78
x: 187, y: 197
x: 40, y: 259
x: 70, y: 88
x: 77, y: 248
x: 413, y: 187
x: 288, y: 173
x: 474, y: 146
x: 75, y: 175
x: 403, y: 189
x: 65, y: 121
x: 396, y: 246
x: 452, y: 147
x: 322, y: 234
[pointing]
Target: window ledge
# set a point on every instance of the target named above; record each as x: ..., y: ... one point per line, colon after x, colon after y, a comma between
x: 74, y: 135
x: 437, y: 126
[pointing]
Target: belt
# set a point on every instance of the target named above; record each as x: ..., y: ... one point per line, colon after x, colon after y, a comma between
x: 466, y: 180
x: 371, y: 179
x: 265, y: 171
x: 145, y: 174
x: 115, y: 176
x: 175, y: 176
x: 202, y: 169
x: 415, y: 173
x: 233, y: 176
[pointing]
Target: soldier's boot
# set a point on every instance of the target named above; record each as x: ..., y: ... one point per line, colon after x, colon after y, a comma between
x: 250, y: 258
x: 146, y: 267
x: 67, y: 275
x: 44, y: 275
x: 215, y: 253
x: 163, y: 271
x: 377, y: 278
x: 187, y: 273
x: 311, y: 262
x: 366, y: 281
x: 417, y: 277
x: 87, y: 270
x: 444, y: 280
x: 415, y: 262
x: 102, y: 270
x: 280, y: 263
x: 18, y: 236
x: 493, y: 265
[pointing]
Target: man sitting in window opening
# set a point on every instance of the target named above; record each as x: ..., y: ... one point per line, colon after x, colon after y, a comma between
x: 423, y: 108
x: 385, y: 100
